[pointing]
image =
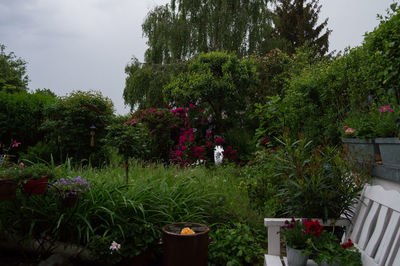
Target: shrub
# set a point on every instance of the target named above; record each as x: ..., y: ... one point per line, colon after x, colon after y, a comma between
x: 21, y: 115
x: 318, y: 182
x: 384, y: 57
x: 68, y: 122
x: 236, y: 245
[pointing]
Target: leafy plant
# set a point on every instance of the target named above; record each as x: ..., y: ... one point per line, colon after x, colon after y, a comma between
x: 318, y: 182
x: 329, y: 250
x: 236, y: 245
x: 379, y: 122
x: 129, y: 140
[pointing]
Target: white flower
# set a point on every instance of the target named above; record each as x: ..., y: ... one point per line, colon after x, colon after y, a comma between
x: 115, y: 246
x: 218, y: 155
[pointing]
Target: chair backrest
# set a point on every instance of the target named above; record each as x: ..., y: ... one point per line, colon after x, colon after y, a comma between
x: 375, y: 227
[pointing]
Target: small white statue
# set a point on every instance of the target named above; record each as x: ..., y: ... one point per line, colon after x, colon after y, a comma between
x: 218, y: 155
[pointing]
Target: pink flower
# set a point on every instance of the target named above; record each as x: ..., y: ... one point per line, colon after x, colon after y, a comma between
x: 178, y: 153
x: 15, y: 144
x: 385, y: 108
x: 219, y: 140
x: 208, y: 134
x: 182, y: 139
x: 183, y: 148
x: 349, y: 130
x: 192, y: 106
x: 209, y: 144
x: 21, y: 165
x: 115, y: 246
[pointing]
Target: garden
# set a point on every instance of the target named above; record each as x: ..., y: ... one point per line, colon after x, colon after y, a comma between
x: 232, y: 141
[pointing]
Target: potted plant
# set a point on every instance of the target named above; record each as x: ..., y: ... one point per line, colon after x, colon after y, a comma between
x: 297, y: 235
x: 8, y: 184
x: 329, y: 251
x: 379, y: 127
x: 70, y: 189
x: 318, y: 182
x: 34, y: 178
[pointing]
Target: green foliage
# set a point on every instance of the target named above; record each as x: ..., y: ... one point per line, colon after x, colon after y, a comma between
x: 378, y: 122
x: 315, y: 97
x: 384, y: 57
x: 296, y: 22
x: 144, y: 83
x: 182, y: 29
x: 33, y: 171
x: 236, y: 245
x: 68, y: 122
x: 21, y: 115
x: 163, y: 126
x: 263, y: 185
x: 13, y: 76
x: 133, y: 215
x: 329, y: 250
x: 129, y: 140
x: 216, y: 82
x: 318, y: 183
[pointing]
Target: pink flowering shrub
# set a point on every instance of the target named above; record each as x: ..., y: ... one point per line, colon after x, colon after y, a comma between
x: 181, y: 135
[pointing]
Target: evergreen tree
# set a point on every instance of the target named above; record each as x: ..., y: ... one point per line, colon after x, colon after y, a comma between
x: 296, y: 22
x: 185, y: 28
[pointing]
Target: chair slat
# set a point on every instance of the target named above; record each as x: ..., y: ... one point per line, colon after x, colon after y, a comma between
x: 360, y: 218
x: 394, y: 251
x: 367, y: 226
x: 387, y: 239
x: 378, y: 231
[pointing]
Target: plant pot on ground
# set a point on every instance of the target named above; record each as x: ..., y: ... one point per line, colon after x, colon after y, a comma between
x: 8, y: 188
x: 34, y: 178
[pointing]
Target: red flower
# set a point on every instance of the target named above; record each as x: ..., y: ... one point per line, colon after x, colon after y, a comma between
x: 347, y: 245
x: 208, y: 134
x: 313, y: 227
x: 209, y: 144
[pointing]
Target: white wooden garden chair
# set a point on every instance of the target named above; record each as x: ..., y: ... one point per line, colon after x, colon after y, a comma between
x: 374, y: 229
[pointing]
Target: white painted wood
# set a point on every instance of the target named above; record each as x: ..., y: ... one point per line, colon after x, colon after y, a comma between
x: 367, y: 226
x: 270, y: 260
x: 388, y: 198
x: 397, y: 258
x: 274, y: 242
x: 387, y: 239
x: 309, y: 262
x: 378, y: 232
x: 365, y: 205
x: 394, y: 250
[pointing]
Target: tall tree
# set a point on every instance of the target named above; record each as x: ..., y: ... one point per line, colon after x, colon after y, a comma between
x: 296, y: 22
x: 13, y: 76
x: 144, y: 83
x: 185, y: 28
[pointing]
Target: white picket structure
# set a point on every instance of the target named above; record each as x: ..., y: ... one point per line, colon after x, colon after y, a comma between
x: 374, y: 229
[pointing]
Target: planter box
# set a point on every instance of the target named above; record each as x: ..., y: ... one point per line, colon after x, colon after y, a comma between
x: 35, y: 186
x: 390, y: 150
x: 362, y: 150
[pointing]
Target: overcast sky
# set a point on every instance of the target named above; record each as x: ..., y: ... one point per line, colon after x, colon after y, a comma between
x: 86, y: 44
